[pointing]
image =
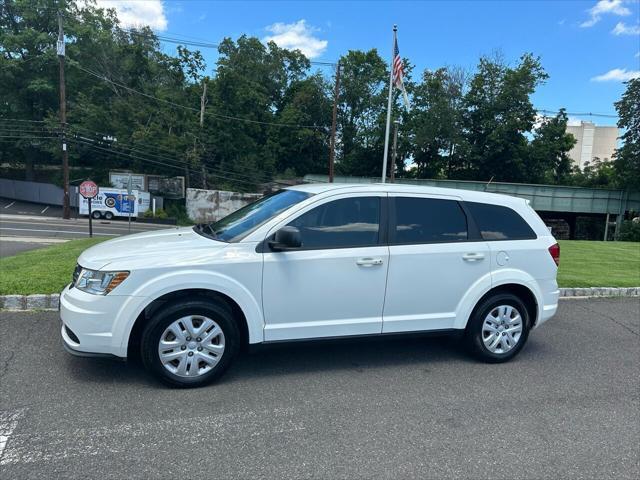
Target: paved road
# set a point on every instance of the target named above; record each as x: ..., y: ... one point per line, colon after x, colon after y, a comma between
x: 567, y: 407
x: 21, y: 232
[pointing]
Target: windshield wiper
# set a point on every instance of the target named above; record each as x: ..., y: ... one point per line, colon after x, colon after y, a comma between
x: 201, y: 227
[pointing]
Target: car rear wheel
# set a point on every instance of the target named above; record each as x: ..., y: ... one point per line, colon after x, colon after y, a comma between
x: 108, y: 215
x: 96, y: 214
x: 190, y: 344
x: 498, y: 329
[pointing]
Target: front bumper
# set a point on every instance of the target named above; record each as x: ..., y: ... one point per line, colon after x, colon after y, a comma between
x: 95, y: 323
x: 72, y: 347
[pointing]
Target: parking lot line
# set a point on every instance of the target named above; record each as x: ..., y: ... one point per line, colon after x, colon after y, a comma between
x: 60, y: 231
x: 7, y: 206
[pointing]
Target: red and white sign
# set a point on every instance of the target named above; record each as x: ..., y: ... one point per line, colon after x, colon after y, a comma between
x: 88, y: 189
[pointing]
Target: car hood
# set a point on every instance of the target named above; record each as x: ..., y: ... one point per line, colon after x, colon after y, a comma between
x: 163, y: 247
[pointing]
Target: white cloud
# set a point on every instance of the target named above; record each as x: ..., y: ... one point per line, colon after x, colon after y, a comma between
x: 132, y: 13
x: 297, y: 35
x: 617, y: 75
x: 637, y: 55
x: 613, y: 7
x: 622, y: 29
x: 573, y: 121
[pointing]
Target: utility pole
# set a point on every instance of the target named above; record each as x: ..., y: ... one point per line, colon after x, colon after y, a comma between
x: 63, y: 122
x: 203, y: 103
x: 332, y: 144
x: 394, y: 152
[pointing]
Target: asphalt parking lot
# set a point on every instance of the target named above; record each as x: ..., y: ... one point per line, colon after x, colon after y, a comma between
x: 567, y: 407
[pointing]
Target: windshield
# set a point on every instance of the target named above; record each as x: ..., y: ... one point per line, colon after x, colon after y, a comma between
x: 241, y: 223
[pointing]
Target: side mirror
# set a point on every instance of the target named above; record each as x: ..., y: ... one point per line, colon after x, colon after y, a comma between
x: 287, y: 238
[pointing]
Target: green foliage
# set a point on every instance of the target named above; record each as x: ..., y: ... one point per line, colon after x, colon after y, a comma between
x: 548, y: 160
x: 627, y: 158
x: 629, y: 231
x: 176, y: 209
x: 160, y: 213
x: 131, y: 105
x: 594, y: 174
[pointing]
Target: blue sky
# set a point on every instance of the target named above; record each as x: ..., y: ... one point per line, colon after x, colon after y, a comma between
x: 587, y: 47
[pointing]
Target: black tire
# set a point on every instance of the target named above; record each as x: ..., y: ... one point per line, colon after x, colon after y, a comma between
x: 474, y: 336
x: 153, y: 330
x: 108, y: 215
x: 96, y: 214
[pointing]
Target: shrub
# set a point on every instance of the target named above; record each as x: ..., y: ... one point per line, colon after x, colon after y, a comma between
x: 629, y: 231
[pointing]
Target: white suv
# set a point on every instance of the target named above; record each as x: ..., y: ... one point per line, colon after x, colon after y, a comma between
x: 317, y: 261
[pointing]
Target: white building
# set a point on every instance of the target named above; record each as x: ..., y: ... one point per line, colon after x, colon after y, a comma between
x: 592, y: 142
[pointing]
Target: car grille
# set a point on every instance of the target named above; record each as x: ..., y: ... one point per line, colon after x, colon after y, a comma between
x: 76, y: 274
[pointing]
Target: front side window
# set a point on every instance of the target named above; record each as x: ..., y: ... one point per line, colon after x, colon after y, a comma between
x: 499, y: 223
x: 348, y: 222
x: 428, y: 220
x: 241, y: 223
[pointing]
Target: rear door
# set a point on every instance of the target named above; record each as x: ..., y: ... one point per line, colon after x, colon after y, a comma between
x: 436, y: 256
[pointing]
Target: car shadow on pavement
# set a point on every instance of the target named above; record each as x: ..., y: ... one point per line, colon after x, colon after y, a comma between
x: 284, y: 359
x: 353, y: 355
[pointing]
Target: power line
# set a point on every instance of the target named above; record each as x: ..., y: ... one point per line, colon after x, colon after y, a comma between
x: 88, y: 143
x: 163, y: 154
x: 177, y: 105
x: 584, y: 114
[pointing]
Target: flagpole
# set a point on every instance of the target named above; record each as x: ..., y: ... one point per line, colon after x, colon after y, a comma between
x: 388, y: 127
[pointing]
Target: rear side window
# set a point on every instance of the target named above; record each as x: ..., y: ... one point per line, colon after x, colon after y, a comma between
x: 428, y: 220
x: 349, y: 222
x: 499, y: 223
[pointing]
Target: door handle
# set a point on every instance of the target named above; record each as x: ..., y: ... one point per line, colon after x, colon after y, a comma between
x: 369, y: 261
x: 473, y: 257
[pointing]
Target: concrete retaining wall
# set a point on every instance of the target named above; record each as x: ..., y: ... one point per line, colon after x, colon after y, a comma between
x: 212, y: 205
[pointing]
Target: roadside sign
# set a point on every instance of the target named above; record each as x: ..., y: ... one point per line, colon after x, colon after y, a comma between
x: 88, y: 189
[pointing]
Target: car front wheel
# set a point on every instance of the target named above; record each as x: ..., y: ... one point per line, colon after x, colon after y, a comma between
x: 190, y: 344
x: 498, y: 329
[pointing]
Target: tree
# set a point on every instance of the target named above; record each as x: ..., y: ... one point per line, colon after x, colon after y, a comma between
x: 435, y: 123
x: 548, y: 159
x: 498, y: 114
x: 302, y: 150
x: 627, y: 158
x: 361, y: 114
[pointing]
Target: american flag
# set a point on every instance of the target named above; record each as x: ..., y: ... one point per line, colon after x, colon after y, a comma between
x: 398, y: 71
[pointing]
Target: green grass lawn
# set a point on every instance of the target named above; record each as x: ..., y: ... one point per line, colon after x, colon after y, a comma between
x: 46, y: 270
x: 582, y: 264
x: 599, y: 264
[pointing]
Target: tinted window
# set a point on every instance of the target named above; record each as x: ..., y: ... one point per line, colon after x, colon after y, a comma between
x: 426, y: 220
x: 241, y: 223
x: 350, y: 222
x: 499, y: 223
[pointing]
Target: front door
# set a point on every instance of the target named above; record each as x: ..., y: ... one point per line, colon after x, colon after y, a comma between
x: 334, y: 284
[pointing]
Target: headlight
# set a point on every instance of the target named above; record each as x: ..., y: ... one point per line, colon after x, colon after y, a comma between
x: 99, y: 283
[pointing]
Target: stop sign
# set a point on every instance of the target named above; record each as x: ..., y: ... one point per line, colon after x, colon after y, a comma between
x: 88, y: 189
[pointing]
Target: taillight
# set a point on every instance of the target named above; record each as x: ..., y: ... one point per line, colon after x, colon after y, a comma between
x: 554, y: 250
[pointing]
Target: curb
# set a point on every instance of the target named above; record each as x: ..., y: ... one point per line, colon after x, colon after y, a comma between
x: 51, y: 301
x: 30, y: 302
